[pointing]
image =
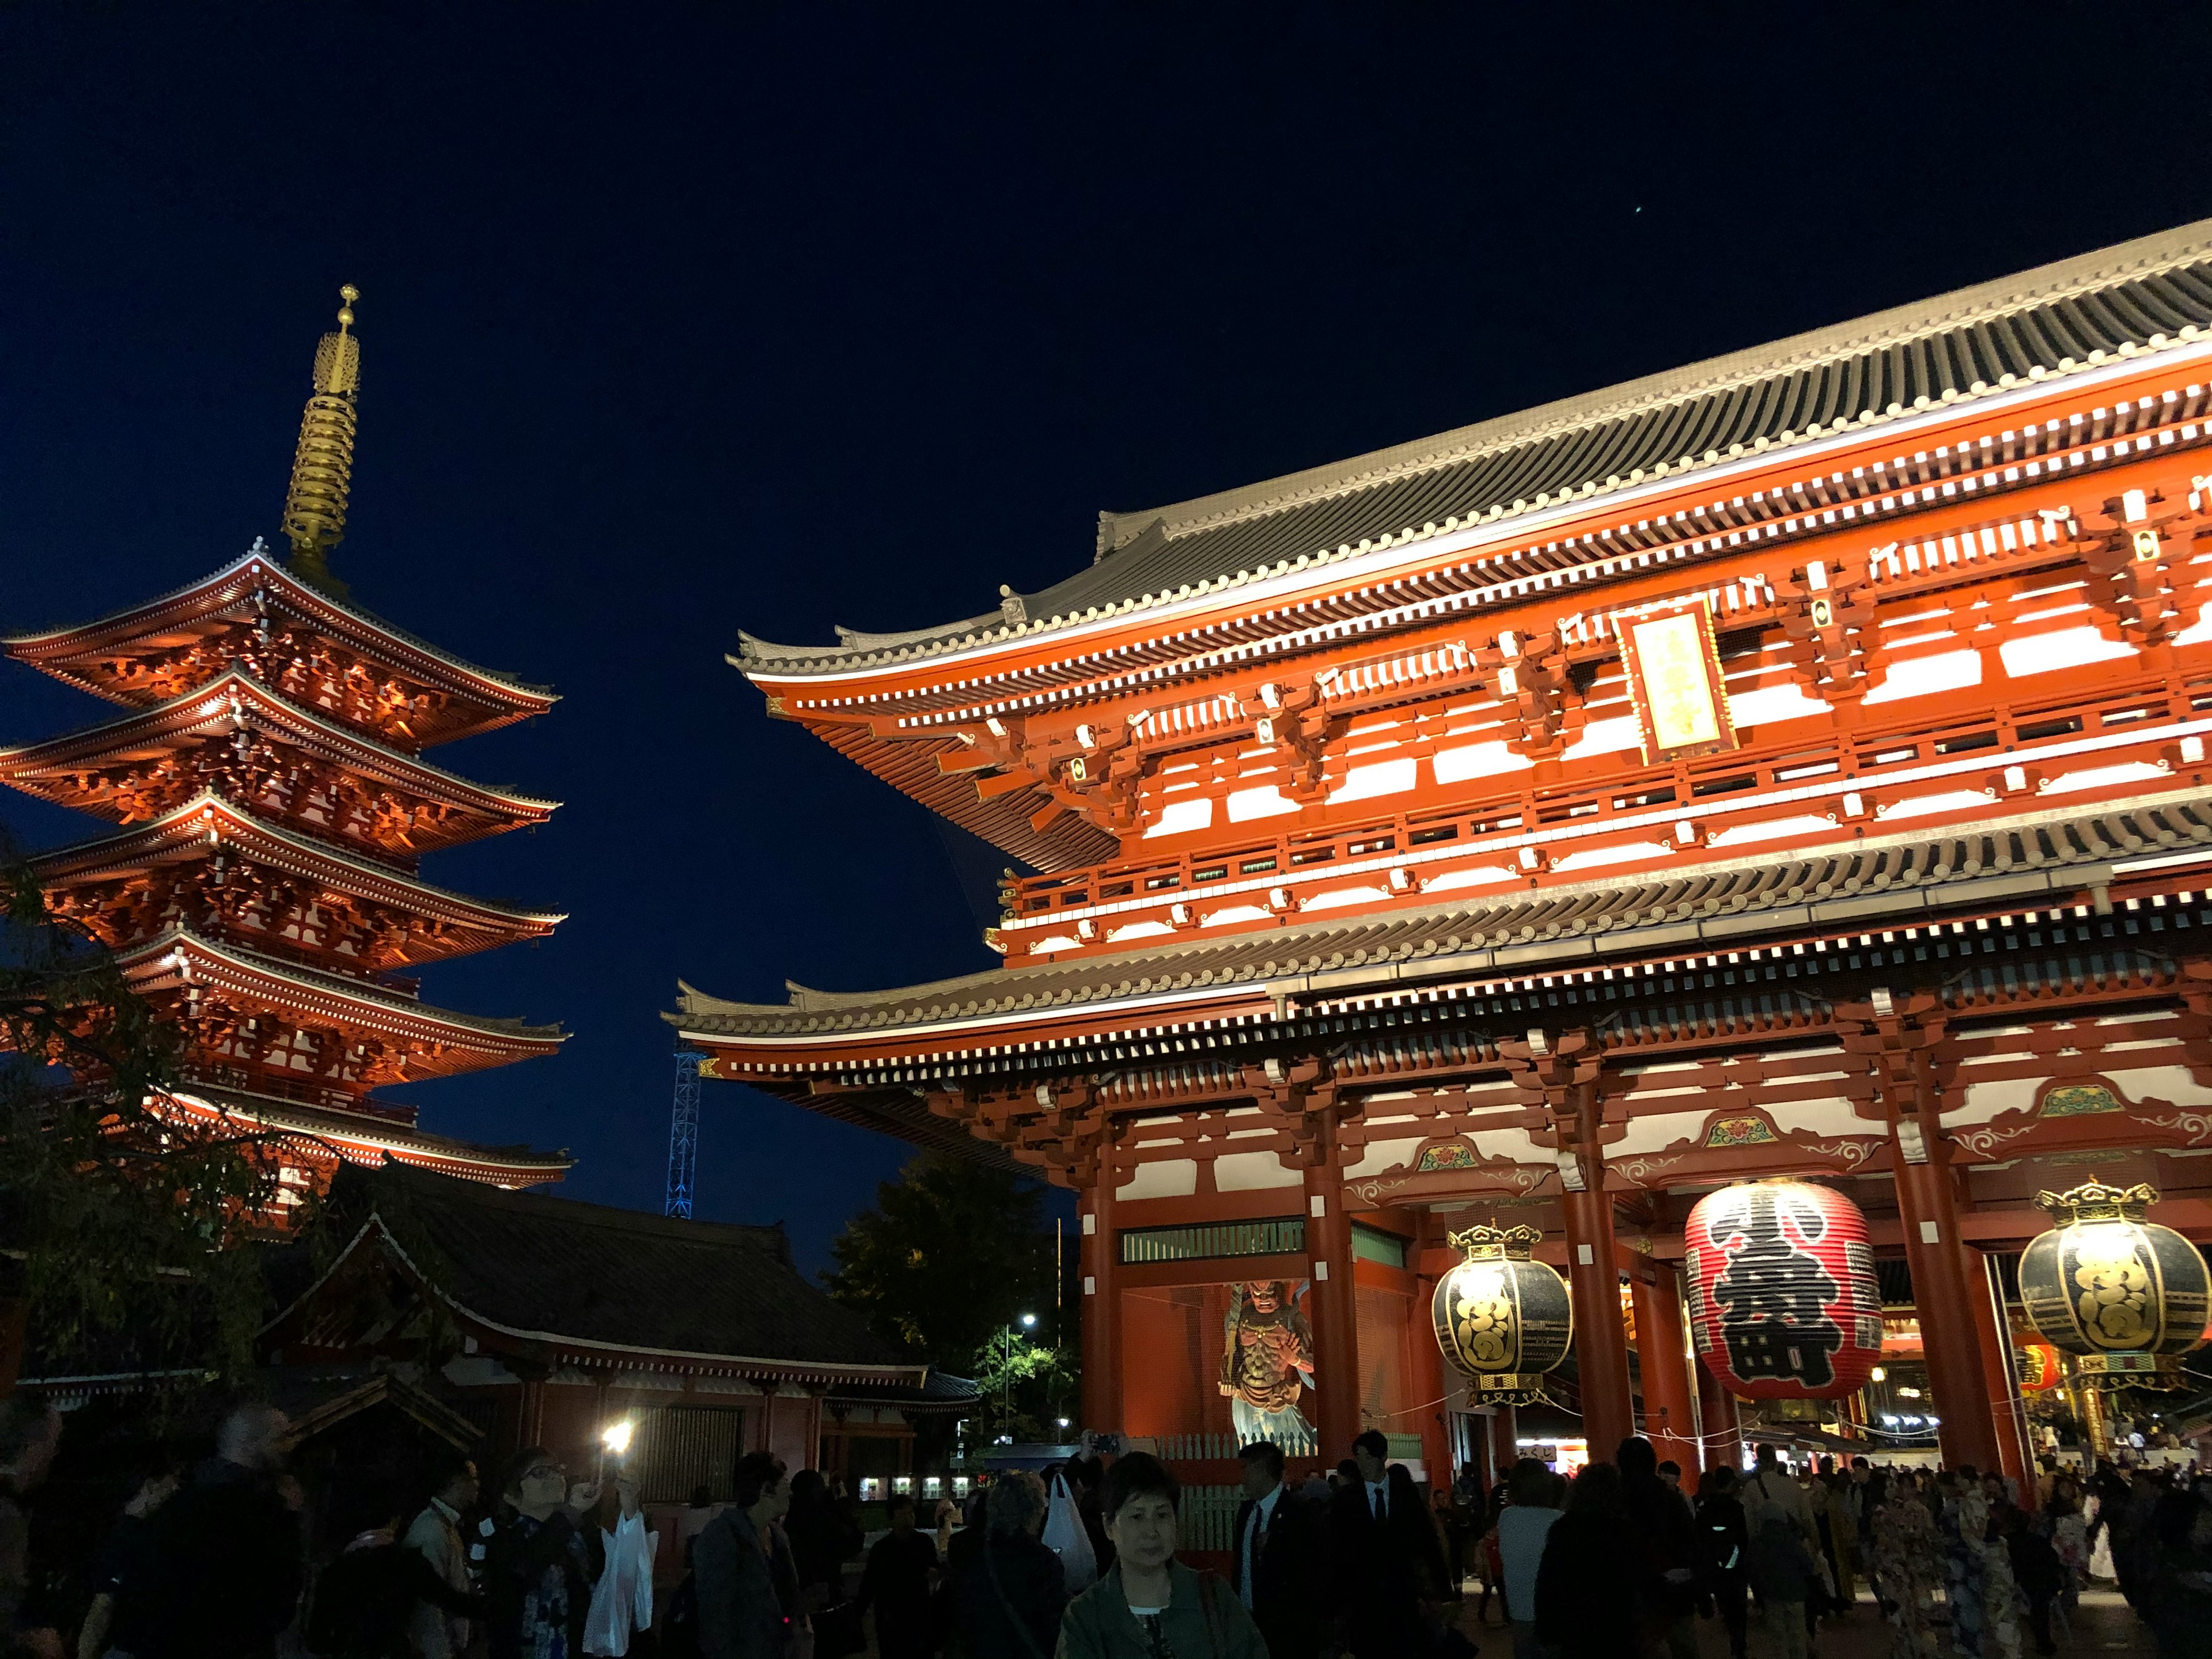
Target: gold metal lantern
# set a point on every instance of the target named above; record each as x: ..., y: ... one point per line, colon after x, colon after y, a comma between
x: 2121, y: 1294
x: 1502, y: 1319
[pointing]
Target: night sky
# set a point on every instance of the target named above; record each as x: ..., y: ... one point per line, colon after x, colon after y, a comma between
x: 679, y: 319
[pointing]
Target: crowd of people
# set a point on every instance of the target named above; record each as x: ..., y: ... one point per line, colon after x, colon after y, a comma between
x: 1956, y: 1562
x: 1086, y: 1562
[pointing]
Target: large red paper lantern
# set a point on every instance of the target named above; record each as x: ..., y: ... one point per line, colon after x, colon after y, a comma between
x: 1784, y: 1302
x: 2035, y: 1362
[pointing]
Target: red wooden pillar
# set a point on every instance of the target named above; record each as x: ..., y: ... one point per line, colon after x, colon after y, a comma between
x: 1943, y: 1299
x: 1504, y: 1442
x: 2001, y: 1383
x: 1593, y: 1281
x: 1425, y: 1376
x: 1099, y: 1255
x: 1670, y: 1416
x: 1724, y: 1424
x: 1336, y: 1307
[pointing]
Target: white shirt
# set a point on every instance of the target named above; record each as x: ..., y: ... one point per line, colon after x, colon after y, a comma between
x: 1378, y: 1498
x: 1255, y: 1529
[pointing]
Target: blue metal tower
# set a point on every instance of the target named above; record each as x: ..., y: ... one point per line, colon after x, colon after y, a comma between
x: 683, y: 1134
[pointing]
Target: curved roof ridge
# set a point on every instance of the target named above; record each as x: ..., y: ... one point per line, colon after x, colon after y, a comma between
x: 2065, y: 278
x: 305, y: 843
x: 301, y: 1117
x: 1503, y: 921
x: 2040, y: 325
x: 237, y: 675
x: 260, y: 552
x: 367, y: 991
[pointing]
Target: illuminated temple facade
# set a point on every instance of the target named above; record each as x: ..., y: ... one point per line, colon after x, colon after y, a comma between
x: 1792, y: 765
x: 270, y: 805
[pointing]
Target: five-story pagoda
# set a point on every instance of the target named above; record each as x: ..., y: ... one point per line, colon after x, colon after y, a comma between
x: 271, y: 806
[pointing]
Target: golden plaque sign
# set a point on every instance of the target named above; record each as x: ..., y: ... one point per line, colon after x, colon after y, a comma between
x: 1674, y: 681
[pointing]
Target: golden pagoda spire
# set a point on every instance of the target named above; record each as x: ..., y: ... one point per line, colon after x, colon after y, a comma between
x: 322, y: 470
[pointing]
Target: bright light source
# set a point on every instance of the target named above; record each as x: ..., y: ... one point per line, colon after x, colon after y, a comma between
x: 1063, y: 1422
x: 1908, y: 1394
x: 1028, y: 1320
x: 617, y: 1437
x: 1879, y: 1374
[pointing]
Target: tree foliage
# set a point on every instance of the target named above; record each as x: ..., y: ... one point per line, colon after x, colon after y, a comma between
x: 125, y: 1225
x: 952, y: 1252
x: 1025, y: 1386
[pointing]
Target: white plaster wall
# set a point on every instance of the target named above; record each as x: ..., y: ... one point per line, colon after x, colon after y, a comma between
x: 1175, y: 1177
x: 1381, y: 1157
x: 1513, y: 1144
x: 1252, y: 1172
x: 1651, y: 1132
x: 1832, y: 1117
x: 1770, y: 704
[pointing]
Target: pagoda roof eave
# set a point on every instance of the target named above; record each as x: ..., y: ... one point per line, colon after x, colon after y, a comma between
x: 368, y: 1003
x: 1595, y: 443
x: 1880, y: 882
x: 257, y: 567
x: 357, y: 877
x: 507, y: 1166
x: 145, y: 727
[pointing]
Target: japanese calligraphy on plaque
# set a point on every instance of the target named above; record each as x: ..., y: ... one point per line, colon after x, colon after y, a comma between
x: 1673, y: 665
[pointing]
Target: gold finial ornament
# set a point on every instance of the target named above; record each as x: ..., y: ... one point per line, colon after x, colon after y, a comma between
x: 1483, y: 1244
x: 322, y: 468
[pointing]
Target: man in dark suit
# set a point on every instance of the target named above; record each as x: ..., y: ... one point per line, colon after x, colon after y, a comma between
x: 1388, y: 1559
x: 1276, y: 1563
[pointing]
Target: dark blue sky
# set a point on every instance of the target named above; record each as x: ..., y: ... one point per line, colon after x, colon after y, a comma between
x: 680, y: 319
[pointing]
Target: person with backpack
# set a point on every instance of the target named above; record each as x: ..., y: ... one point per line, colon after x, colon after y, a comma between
x: 1770, y: 1483
x: 1149, y: 1603
x: 1783, y: 1573
x: 1725, y: 1537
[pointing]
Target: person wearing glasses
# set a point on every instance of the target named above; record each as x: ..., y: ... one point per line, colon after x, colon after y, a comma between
x: 539, y: 1562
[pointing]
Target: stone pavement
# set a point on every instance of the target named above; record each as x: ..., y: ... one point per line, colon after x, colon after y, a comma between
x: 2102, y: 1626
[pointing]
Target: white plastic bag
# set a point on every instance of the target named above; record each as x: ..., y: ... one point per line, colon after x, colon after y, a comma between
x: 622, y: 1601
x: 1065, y: 1536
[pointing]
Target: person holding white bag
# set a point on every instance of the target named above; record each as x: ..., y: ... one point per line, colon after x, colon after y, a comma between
x: 622, y: 1601
x: 1065, y: 1537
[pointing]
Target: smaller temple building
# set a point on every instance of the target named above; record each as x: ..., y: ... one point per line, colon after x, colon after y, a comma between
x: 543, y: 1321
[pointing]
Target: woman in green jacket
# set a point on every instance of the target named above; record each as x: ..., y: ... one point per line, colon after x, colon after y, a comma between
x: 1149, y: 1605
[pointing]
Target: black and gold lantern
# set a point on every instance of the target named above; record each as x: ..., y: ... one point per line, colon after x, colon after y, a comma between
x: 1503, y: 1319
x: 2120, y: 1294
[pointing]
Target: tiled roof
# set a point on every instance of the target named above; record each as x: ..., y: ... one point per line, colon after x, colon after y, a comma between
x: 1897, y: 878
x: 397, y: 1139
x: 158, y: 838
x: 145, y: 961
x: 221, y: 587
x: 556, y: 1269
x: 940, y: 1392
x: 2051, y: 321
x: 217, y: 700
